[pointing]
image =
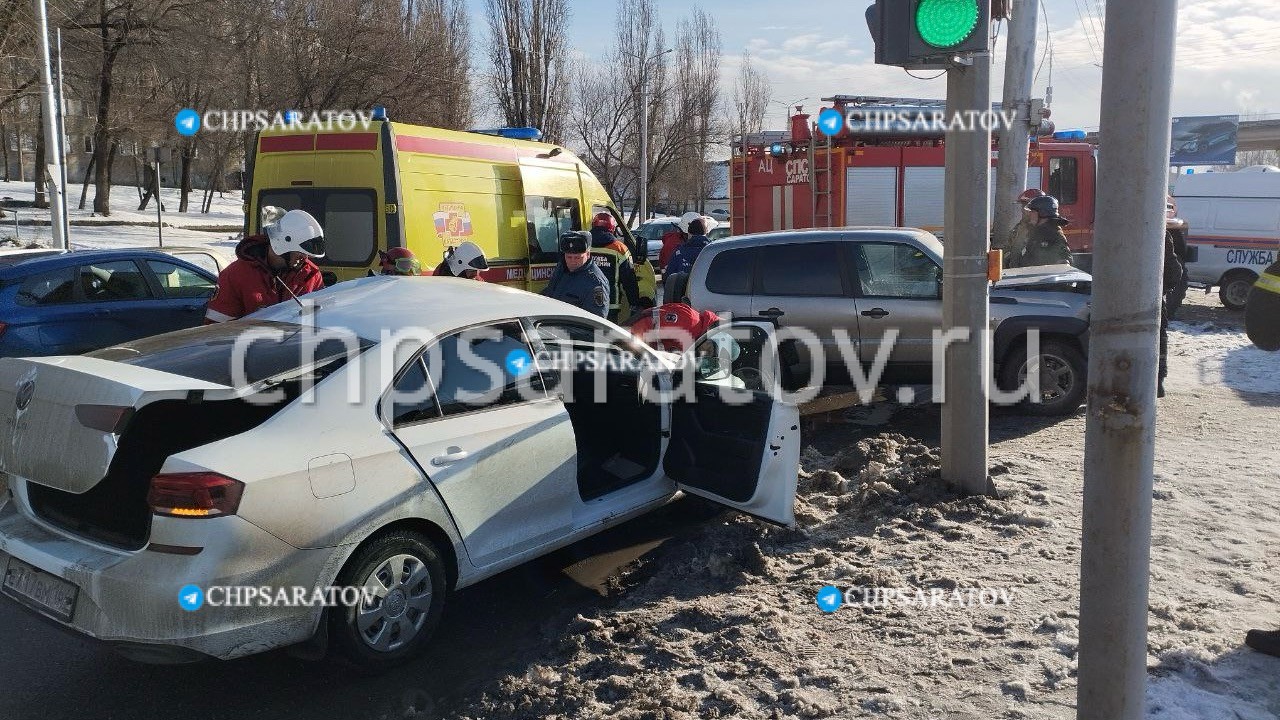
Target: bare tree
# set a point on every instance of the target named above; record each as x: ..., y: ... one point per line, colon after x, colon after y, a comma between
x: 601, y: 126
x: 697, y: 92
x: 749, y: 100
x: 1246, y: 158
x: 527, y: 52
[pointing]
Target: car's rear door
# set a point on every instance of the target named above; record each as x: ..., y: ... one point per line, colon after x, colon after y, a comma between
x: 182, y: 292
x: 804, y: 286
x: 473, y: 412
x: 734, y: 441
x: 119, y: 303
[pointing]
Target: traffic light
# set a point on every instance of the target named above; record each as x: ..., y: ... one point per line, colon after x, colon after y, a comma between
x: 924, y: 34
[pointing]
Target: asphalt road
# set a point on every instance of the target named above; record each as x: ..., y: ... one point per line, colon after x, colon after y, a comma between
x: 498, y: 625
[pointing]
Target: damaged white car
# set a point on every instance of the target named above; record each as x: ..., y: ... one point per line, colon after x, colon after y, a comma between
x: 141, y: 471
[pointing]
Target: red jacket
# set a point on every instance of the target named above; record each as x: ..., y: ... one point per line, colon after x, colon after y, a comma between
x: 673, y: 326
x: 670, y: 241
x: 248, y: 284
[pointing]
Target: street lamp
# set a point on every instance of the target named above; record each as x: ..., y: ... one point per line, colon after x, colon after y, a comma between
x: 644, y: 126
x: 156, y: 153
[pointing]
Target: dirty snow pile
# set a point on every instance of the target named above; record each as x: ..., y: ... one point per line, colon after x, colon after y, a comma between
x: 726, y: 625
x: 1214, y: 354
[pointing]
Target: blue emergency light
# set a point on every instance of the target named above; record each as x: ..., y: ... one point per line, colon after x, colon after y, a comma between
x: 379, y: 113
x: 1069, y: 135
x: 292, y: 117
x: 518, y: 133
x: 777, y: 150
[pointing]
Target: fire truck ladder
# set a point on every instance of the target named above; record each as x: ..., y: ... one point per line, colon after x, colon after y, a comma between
x: 820, y: 181
x: 738, y: 184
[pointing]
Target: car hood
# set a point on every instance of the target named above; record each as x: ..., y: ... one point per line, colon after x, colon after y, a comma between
x: 1031, y: 278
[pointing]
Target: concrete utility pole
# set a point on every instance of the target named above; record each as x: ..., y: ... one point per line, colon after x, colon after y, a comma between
x: 1011, y: 166
x: 1133, y: 161
x: 62, y: 140
x: 964, y: 289
x: 57, y: 199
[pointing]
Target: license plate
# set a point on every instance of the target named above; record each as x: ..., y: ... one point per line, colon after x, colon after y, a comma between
x: 48, y: 592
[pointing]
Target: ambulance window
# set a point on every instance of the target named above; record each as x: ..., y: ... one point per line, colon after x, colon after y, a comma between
x: 548, y: 218
x: 348, y: 226
x: 1063, y: 179
x: 285, y: 200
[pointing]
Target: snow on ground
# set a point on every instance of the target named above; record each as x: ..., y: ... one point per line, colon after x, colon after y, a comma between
x: 725, y: 624
x: 1220, y: 355
x: 226, y: 210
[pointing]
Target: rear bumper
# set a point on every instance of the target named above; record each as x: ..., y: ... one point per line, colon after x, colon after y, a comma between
x: 130, y: 600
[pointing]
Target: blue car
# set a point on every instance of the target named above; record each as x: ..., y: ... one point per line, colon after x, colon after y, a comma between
x: 66, y: 303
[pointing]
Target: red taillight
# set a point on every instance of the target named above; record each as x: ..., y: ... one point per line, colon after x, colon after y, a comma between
x: 194, y: 495
x: 107, y: 418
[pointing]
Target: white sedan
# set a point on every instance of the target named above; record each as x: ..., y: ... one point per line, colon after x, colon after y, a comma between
x: 338, y: 451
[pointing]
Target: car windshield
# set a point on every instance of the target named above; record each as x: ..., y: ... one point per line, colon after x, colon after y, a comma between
x: 261, y: 350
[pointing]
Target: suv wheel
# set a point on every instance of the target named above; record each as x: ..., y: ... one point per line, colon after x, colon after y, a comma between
x: 1062, y: 377
x: 407, y: 577
x: 1235, y: 289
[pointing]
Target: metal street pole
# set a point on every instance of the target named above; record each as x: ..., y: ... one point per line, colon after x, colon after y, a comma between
x: 967, y: 224
x: 50, y: 126
x: 1011, y: 165
x: 159, y: 205
x: 1133, y: 166
x: 62, y: 144
x: 644, y: 139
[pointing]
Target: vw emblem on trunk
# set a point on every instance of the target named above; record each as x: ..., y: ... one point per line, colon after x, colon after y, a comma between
x: 25, y: 391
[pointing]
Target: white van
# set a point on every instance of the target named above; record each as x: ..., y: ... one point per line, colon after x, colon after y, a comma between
x: 1234, y: 233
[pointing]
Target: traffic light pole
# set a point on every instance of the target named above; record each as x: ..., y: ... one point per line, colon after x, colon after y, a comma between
x: 964, y: 286
x: 1137, y: 81
x: 1011, y: 166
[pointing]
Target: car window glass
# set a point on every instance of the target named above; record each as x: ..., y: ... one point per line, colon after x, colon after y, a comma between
x: 808, y: 269
x: 731, y: 272
x: 179, y: 282
x: 111, y: 281
x: 483, y: 367
x: 1062, y: 179
x: 896, y: 270
x: 413, y: 400
x: 48, y: 288
x: 204, y: 261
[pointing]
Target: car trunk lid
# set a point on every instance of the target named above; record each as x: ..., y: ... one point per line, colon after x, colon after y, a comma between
x: 61, y: 417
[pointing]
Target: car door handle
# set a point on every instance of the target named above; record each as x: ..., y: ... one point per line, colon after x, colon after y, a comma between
x: 772, y: 312
x: 875, y: 312
x: 452, y: 455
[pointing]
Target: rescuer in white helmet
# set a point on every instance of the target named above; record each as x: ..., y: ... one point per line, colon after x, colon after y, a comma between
x: 270, y: 267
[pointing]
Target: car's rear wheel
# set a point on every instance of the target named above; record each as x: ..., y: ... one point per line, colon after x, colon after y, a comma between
x: 1062, y: 377
x: 405, y: 577
x: 1235, y: 288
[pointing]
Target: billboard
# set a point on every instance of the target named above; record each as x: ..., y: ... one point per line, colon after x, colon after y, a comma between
x: 1204, y: 140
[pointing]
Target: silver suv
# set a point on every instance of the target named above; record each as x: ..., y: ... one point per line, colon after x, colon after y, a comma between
x: 868, y: 280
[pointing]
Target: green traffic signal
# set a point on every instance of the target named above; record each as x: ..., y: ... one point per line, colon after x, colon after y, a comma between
x: 946, y: 23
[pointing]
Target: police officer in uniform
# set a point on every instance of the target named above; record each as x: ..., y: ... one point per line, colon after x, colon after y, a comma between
x: 576, y: 279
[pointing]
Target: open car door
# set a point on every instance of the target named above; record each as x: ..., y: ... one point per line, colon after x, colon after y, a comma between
x: 733, y: 442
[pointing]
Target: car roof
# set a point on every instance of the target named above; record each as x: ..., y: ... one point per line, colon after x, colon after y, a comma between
x: 78, y: 257
x: 780, y: 237
x: 368, y: 306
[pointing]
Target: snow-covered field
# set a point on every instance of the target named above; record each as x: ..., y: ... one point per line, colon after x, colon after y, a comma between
x: 126, y: 226
x: 725, y: 624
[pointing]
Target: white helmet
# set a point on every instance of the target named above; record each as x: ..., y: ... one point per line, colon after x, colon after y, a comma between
x: 467, y: 256
x: 708, y: 223
x: 293, y: 231
x: 685, y: 219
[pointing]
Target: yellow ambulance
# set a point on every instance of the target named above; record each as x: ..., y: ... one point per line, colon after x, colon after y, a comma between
x: 384, y: 184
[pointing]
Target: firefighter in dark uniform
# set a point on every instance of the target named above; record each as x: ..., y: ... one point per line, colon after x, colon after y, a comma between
x: 1262, y: 324
x: 1047, y: 244
x: 576, y: 279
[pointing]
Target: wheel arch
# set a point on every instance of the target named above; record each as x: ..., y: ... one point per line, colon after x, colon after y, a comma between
x: 1012, y: 333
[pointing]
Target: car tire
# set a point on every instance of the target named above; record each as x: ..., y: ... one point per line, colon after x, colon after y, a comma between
x: 1235, y: 288
x: 406, y: 568
x: 1068, y: 367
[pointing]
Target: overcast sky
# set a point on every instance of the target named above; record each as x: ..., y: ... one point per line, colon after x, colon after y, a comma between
x: 1228, y: 53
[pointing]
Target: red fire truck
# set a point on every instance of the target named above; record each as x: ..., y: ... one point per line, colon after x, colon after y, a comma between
x: 864, y: 176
